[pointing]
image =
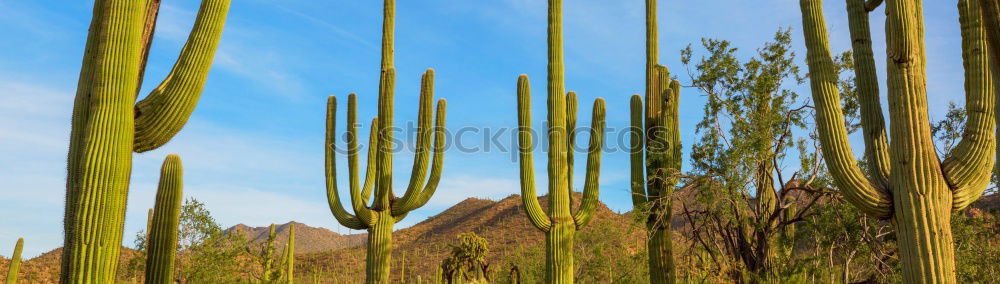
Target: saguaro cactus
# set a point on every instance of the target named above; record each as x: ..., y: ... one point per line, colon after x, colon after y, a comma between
x: 912, y: 185
x: 386, y: 209
x: 15, y: 262
x: 290, y: 255
x: 656, y: 154
x: 108, y: 125
x: 561, y: 224
x: 162, y: 246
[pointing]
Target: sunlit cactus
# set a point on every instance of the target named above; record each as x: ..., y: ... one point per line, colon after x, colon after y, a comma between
x: 15, y: 262
x: 108, y: 125
x: 561, y: 224
x: 907, y: 182
x: 162, y: 245
x: 380, y: 215
x: 656, y: 154
x: 290, y: 255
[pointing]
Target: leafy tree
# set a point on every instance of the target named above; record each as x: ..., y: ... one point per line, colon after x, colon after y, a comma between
x: 752, y: 122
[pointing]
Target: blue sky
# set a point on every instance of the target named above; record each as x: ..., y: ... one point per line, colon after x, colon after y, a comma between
x: 253, y: 148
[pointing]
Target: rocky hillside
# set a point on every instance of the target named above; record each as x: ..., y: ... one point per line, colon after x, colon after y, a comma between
x: 307, y: 239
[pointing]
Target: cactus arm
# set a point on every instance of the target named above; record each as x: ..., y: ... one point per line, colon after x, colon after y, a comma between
x: 149, y: 27
x: 166, y: 218
x: 637, y: 152
x: 359, y: 199
x: 991, y: 17
x: 672, y: 108
x: 857, y: 188
x: 866, y: 79
x: 163, y: 113
x: 332, y: 195
x: 437, y: 164
x: 525, y: 146
x: 15, y: 262
x: 383, y: 181
x: 591, y: 190
x: 423, y: 146
x: 870, y: 5
x: 571, y: 113
x: 970, y: 165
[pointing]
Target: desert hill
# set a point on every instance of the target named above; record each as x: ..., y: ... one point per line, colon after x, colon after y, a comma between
x: 307, y: 239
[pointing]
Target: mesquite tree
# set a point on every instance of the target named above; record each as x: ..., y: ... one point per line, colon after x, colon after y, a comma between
x: 386, y: 209
x: 906, y: 181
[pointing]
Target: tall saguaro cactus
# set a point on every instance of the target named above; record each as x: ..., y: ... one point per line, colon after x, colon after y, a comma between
x: 162, y: 246
x: 15, y: 262
x: 656, y: 154
x: 918, y: 190
x: 561, y: 224
x: 379, y: 216
x: 108, y: 125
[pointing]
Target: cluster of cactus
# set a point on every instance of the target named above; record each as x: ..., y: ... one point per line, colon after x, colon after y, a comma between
x: 906, y: 182
x: 15, y: 262
x: 386, y: 209
x: 561, y: 224
x: 108, y: 125
x: 161, y: 247
x: 656, y: 154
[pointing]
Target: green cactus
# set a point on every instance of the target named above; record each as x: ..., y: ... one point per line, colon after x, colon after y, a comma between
x: 290, y: 255
x: 267, y: 256
x: 108, y: 125
x: 386, y: 209
x: 658, y: 140
x: 15, y: 262
x: 162, y: 246
x: 910, y: 185
x: 561, y: 224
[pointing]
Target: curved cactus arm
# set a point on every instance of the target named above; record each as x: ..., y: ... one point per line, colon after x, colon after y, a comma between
x: 674, y: 132
x: 359, y: 199
x: 437, y: 162
x: 164, y: 112
x: 969, y: 166
x: 857, y: 188
x: 591, y: 188
x: 870, y: 5
x: 637, y: 153
x: 525, y: 146
x: 383, y: 180
x: 15, y: 262
x: 332, y: 196
x: 423, y: 147
x: 166, y: 218
x: 866, y: 80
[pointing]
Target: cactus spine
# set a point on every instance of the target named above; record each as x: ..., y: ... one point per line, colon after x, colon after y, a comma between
x: 560, y: 224
x: 386, y: 209
x: 108, y: 125
x: 919, y: 191
x: 657, y: 141
x: 15, y: 262
x: 162, y: 246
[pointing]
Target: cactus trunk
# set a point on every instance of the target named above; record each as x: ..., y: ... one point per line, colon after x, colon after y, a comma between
x: 108, y: 125
x: 922, y: 190
x: 15, y: 262
x: 379, y: 251
x: 290, y: 255
x: 166, y: 217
